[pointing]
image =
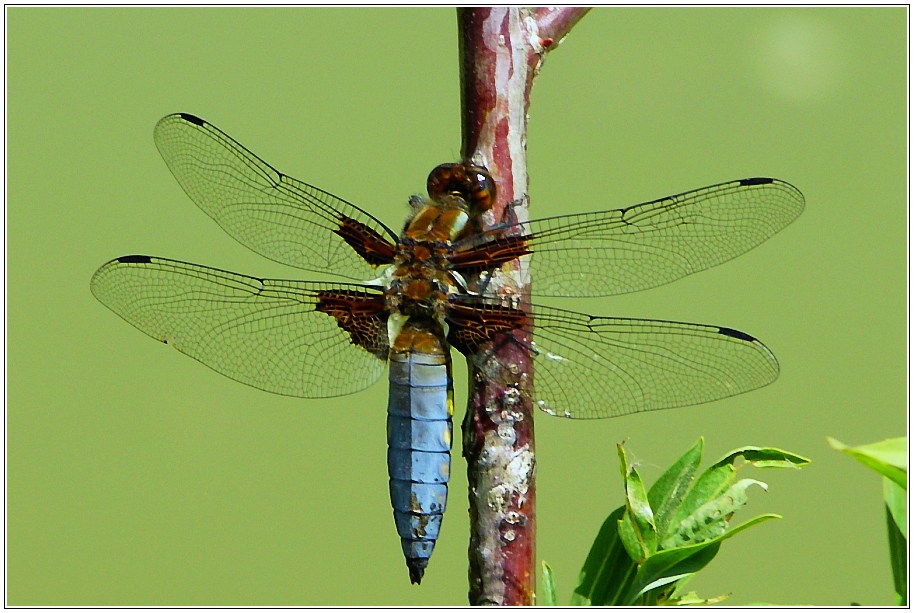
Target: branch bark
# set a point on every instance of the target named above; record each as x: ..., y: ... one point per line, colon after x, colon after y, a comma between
x: 501, y: 51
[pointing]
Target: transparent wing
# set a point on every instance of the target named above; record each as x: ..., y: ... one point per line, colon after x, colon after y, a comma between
x: 646, y: 245
x: 311, y: 340
x: 273, y: 214
x: 592, y: 367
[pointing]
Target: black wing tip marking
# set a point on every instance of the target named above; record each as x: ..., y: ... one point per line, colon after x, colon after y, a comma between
x: 756, y: 181
x: 134, y: 259
x: 769, y: 181
x: 737, y: 334
x: 192, y: 119
x: 796, y: 199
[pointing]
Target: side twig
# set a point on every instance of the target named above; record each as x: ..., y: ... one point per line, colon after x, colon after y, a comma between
x: 501, y: 51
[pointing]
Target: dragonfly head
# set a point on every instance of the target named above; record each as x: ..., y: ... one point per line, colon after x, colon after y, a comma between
x: 472, y: 183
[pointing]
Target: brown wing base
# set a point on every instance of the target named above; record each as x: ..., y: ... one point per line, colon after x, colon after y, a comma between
x: 474, y: 325
x: 363, y: 316
x: 368, y: 243
x: 489, y: 255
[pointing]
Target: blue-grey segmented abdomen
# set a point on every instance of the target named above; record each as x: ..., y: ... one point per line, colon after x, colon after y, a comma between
x: 419, y: 432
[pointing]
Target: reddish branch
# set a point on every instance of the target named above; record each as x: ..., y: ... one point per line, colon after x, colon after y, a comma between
x: 501, y: 51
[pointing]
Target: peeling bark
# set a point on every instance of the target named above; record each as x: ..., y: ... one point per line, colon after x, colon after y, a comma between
x: 501, y: 51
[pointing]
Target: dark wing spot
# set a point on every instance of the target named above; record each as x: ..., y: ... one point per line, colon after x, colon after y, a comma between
x: 737, y: 334
x: 362, y: 315
x: 489, y: 255
x: 756, y: 181
x: 471, y: 327
x: 192, y: 118
x: 371, y: 246
x: 134, y: 259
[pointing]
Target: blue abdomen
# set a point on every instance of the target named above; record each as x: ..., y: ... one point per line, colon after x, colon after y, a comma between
x: 419, y: 432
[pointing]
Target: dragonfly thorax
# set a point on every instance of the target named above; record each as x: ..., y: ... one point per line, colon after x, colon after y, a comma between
x: 419, y: 281
x: 443, y: 219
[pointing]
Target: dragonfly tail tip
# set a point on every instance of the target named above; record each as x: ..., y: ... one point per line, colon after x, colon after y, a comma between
x: 416, y: 569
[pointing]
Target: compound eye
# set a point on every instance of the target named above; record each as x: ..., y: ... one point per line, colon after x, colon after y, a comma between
x: 472, y: 183
x: 482, y: 190
x: 442, y: 179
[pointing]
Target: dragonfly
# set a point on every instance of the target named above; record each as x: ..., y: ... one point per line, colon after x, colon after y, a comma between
x: 404, y: 300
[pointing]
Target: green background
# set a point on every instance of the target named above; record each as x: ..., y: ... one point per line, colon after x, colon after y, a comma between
x: 137, y: 476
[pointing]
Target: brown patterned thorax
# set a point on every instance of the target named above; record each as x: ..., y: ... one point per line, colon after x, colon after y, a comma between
x: 422, y: 279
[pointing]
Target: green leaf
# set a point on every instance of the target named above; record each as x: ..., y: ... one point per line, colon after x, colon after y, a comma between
x: 888, y: 457
x: 692, y: 599
x: 765, y: 457
x: 662, y: 581
x: 667, y: 493
x: 719, y: 477
x: 611, y: 576
x: 629, y: 538
x: 711, y: 519
x: 710, y: 484
x: 607, y: 570
x: 636, y: 529
x: 896, y: 502
x: 672, y: 564
x: 668, y: 566
x: 549, y: 599
x: 898, y: 547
